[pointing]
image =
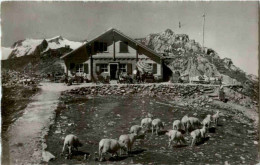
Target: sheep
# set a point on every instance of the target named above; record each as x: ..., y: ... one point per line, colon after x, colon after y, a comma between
x: 206, y: 122
x: 193, y: 123
x: 175, y: 135
x: 195, y: 135
x: 128, y: 140
x: 184, y: 121
x: 71, y: 141
x: 146, y: 122
x: 135, y: 129
x: 149, y: 115
x: 109, y: 146
x: 203, y: 131
x: 157, y: 124
x: 177, y: 125
x: 215, y: 118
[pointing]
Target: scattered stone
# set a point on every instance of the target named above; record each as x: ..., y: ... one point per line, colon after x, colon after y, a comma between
x: 241, y: 157
x: 111, y: 123
x: 58, y: 131
x: 47, y: 156
x: 64, y: 117
x: 226, y: 163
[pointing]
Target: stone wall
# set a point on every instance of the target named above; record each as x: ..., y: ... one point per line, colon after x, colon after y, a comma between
x: 149, y: 89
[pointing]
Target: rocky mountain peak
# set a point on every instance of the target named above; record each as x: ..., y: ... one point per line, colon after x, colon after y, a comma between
x: 17, y: 43
x: 56, y: 39
x: 168, y: 32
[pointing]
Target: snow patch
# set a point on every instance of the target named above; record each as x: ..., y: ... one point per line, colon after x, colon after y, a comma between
x: 5, y: 52
x: 28, y: 46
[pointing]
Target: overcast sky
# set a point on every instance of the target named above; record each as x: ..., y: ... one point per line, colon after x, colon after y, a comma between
x: 231, y: 27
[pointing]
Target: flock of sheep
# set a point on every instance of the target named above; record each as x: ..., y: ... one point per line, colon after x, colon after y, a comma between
x: 125, y: 142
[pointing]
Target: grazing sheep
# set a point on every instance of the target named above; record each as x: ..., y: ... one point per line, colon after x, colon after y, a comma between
x: 196, y: 136
x: 206, y: 122
x: 185, y: 121
x: 71, y: 141
x: 146, y: 122
x: 128, y: 140
x: 177, y: 125
x: 157, y: 124
x: 109, y: 146
x: 175, y: 135
x: 149, y: 115
x: 203, y: 131
x: 194, y: 123
x: 215, y: 118
x: 136, y: 129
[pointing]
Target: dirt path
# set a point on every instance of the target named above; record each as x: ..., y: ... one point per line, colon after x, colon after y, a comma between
x: 25, y: 136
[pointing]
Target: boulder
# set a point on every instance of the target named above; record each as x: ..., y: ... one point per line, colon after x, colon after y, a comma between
x: 47, y: 156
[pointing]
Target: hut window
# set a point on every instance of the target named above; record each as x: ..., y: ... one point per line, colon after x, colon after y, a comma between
x: 79, y: 68
x: 123, y: 47
x: 100, y: 47
x: 72, y: 65
x: 154, y: 68
x: 86, y: 68
x: 122, y: 68
x: 105, y: 47
x: 104, y: 67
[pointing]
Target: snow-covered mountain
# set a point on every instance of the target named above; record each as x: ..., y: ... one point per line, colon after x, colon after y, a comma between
x: 5, y: 52
x: 31, y: 46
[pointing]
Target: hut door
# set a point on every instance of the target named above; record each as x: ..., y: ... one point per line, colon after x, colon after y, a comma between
x: 113, y: 71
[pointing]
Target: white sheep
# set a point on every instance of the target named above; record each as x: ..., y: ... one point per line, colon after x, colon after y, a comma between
x: 206, y: 122
x: 157, y: 124
x: 203, y: 131
x: 109, y: 146
x: 176, y: 136
x: 215, y: 117
x: 71, y: 141
x: 128, y: 140
x: 149, y: 115
x: 196, y: 136
x: 146, y: 122
x: 185, y: 121
x: 136, y: 129
x: 194, y: 123
x: 177, y: 125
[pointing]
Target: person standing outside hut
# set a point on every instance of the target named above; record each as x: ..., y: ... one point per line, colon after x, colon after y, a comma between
x: 136, y: 74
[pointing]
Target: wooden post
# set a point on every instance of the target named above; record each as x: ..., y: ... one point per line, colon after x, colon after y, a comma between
x: 89, y: 50
x: 203, y: 30
x: 137, y: 52
x: 162, y: 69
x: 114, y: 47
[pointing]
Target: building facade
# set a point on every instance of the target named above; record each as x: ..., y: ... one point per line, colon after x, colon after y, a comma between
x: 110, y: 53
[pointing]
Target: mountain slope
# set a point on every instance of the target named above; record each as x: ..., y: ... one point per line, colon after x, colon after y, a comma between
x: 187, y: 56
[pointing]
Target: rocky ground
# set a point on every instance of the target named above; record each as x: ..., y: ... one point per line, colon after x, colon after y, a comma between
x: 93, y: 113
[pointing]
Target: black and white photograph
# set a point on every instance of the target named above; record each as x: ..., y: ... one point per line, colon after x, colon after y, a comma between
x: 129, y: 82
